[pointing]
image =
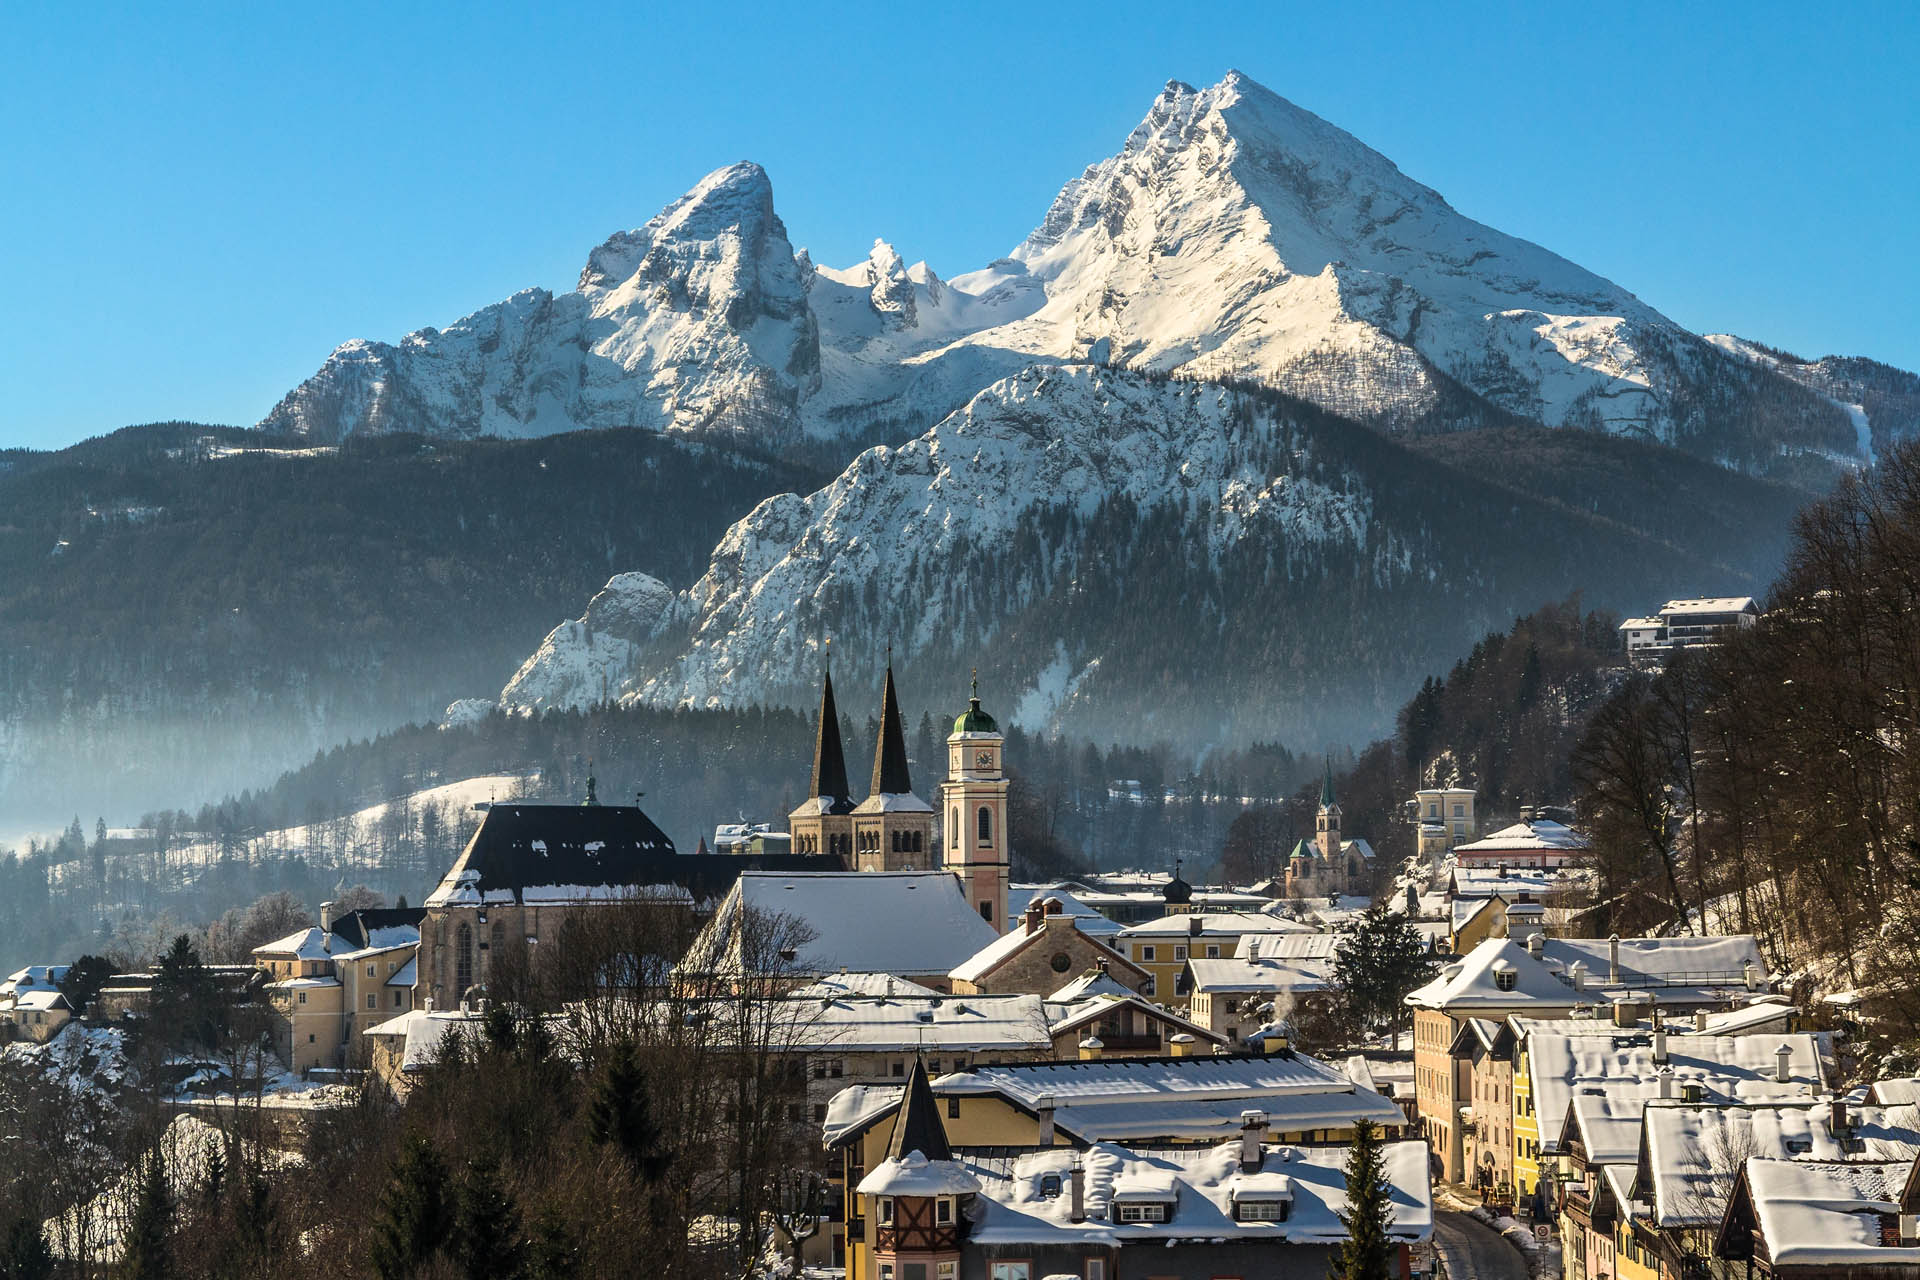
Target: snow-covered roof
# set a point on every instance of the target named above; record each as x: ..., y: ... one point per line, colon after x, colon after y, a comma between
x: 38, y: 1000
x: 839, y: 985
x: 1685, y: 960
x: 407, y: 974
x: 1018, y: 1204
x: 1094, y: 982
x: 1091, y: 921
x: 857, y: 1106
x: 304, y: 944
x: 34, y: 975
x: 1136, y: 1099
x: 1018, y: 938
x: 1641, y: 624
x: 1759, y: 1014
x: 1828, y: 1215
x: 914, y: 1175
x: 1393, y: 1077
x: 1071, y: 1015
x: 1896, y: 1090
x: 302, y: 984
x: 1534, y: 835
x: 1690, y: 1156
x: 1471, y: 982
x: 868, y: 1024
x: 1234, y: 973
x: 1584, y: 1069
x: 1290, y: 946
x: 904, y: 922
x: 1214, y: 924
x: 423, y: 1031
x: 1508, y: 883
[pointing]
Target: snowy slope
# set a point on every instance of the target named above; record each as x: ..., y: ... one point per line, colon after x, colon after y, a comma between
x: 1234, y: 235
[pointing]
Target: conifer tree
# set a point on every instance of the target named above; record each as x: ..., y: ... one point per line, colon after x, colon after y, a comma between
x: 620, y: 1115
x: 147, y: 1249
x: 26, y: 1255
x: 1367, y: 1253
x: 416, y: 1214
x: 488, y: 1244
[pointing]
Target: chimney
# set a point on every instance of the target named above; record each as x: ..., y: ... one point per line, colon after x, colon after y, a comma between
x: 1700, y: 1022
x: 1837, y: 1117
x: 1102, y: 967
x: 1536, y: 945
x: 1077, y: 1177
x: 1045, y: 1105
x: 1090, y: 1049
x: 1666, y: 1082
x: 1750, y: 975
x: 1182, y: 1042
x: 1579, y: 975
x: 1251, y: 1125
x: 1623, y: 1013
x: 1035, y: 915
x: 1613, y: 958
x: 1784, y: 1072
x: 1195, y: 926
x: 1660, y: 1048
x: 326, y: 917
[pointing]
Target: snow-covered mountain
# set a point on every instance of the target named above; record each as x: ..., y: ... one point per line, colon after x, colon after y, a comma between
x: 1235, y: 235
x: 697, y: 321
x: 1128, y: 557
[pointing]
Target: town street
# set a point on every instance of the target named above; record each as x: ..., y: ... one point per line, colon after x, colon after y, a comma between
x: 1472, y: 1250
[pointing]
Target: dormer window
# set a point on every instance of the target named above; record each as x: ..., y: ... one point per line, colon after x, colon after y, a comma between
x: 1142, y: 1211
x: 1505, y: 979
x: 1262, y: 1210
x: 1049, y: 1186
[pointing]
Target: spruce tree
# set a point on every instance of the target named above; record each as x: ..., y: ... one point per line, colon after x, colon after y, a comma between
x: 620, y: 1116
x: 416, y: 1213
x: 1367, y: 1253
x: 488, y: 1244
x: 26, y: 1255
x: 147, y: 1249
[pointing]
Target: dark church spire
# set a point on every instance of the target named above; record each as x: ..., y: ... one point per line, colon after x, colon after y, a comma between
x: 917, y: 1125
x: 890, y: 753
x: 829, y: 764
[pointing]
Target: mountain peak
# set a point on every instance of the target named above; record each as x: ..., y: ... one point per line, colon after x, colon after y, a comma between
x: 735, y: 200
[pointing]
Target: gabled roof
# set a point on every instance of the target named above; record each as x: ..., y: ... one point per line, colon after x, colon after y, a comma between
x: 1094, y: 982
x: 1568, y: 1069
x: 1213, y: 924
x: 1690, y: 1156
x: 370, y: 928
x: 1241, y: 973
x: 900, y: 922
x: 1072, y: 1015
x: 1533, y: 836
x: 1017, y: 1209
x: 1472, y: 981
x: 917, y: 1125
x: 1017, y: 939
x: 930, y: 1023
x: 1821, y: 1215
x: 302, y: 944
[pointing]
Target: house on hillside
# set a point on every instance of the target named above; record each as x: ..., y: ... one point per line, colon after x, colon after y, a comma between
x: 327, y: 983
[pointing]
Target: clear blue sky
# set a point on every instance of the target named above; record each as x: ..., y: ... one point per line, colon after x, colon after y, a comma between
x: 201, y: 201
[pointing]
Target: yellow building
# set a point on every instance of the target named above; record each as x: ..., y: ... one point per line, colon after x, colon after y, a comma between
x: 36, y: 1014
x: 1162, y: 947
x: 332, y: 981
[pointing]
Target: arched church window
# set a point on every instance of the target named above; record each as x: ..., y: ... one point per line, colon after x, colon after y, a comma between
x: 919, y: 841
x: 463, y: 961
x: 986, y: 825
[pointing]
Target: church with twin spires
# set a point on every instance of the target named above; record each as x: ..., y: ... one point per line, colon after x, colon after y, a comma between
x: 893, y: 829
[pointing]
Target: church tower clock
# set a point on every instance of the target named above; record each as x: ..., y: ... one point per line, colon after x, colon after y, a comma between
x: 974, y: 801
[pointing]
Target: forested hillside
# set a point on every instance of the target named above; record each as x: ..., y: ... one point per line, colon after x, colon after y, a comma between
x: 1770, y: 785
x: 184, y: 607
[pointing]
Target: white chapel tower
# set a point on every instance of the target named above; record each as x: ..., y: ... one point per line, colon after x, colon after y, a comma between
x: 975, y: 799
